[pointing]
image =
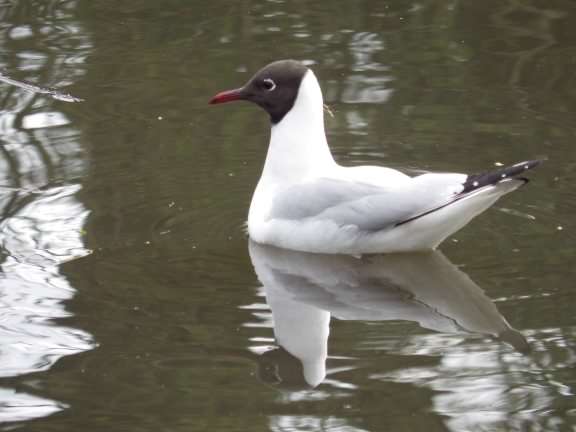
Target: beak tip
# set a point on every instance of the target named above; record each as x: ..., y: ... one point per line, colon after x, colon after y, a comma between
x: 226, y: 96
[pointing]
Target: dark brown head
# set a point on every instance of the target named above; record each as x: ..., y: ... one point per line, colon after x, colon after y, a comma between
x: 274, y: 88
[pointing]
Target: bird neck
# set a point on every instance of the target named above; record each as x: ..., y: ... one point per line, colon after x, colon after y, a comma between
x: 298, y: 146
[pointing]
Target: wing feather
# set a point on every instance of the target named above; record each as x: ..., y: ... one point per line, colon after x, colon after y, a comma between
x: 368, y: 207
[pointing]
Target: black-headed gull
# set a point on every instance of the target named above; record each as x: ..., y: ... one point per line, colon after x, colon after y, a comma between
x: 306, y: 201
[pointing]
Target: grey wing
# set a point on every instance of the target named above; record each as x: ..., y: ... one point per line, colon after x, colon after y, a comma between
x: 368, y: 207
x: 373, y: 213
x: 312, y: 198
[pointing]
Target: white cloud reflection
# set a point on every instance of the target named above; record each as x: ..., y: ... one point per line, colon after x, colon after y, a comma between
x: 17, y: 406
x: 41, y: 219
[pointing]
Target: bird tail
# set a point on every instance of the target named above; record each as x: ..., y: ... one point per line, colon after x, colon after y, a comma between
x: 478, y: 181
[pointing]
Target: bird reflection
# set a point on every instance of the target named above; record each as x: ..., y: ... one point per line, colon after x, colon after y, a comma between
x: 304, y: 290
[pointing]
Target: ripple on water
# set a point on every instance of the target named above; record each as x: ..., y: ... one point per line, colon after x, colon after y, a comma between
x: 39, y: 234
x: 39, y: 231
x: 207, y: 222
x: 41, y: 220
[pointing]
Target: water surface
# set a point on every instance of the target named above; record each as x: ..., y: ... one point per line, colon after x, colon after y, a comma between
x: 131, y: 297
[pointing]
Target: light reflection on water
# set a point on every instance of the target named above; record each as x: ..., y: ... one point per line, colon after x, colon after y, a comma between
x: 42, y: 221
x: 40, y: 229
x: 17, y: 406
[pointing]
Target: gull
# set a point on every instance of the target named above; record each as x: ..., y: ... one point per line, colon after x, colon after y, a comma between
x: 306, y: 201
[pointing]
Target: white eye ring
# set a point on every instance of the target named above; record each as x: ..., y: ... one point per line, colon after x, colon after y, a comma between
x: 271, y: 83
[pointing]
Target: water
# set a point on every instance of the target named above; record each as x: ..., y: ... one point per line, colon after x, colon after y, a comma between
x: 130, y: 297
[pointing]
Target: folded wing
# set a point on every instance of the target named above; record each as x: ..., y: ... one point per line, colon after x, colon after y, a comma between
x: 366, y: 206
x: 372, y: 207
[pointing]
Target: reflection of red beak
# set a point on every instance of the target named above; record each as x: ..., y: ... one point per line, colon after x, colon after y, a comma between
x: 227, y: 96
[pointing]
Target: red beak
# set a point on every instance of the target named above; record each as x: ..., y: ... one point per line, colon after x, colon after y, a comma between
x: 227, y: 96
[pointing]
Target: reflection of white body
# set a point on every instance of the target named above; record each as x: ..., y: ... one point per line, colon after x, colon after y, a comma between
x: 303, y: 290
x: 302, y: 330
x: 306, y: 201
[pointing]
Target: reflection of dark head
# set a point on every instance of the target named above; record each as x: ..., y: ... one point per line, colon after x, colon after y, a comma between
x: 278, y: 368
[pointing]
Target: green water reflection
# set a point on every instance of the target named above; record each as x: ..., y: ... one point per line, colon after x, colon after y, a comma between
x: 129, y: 297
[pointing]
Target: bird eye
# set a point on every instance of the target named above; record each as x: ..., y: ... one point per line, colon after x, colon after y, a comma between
x: 269, y: 84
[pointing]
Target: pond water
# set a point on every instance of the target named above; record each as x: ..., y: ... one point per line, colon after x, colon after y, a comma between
x: 131, y: 298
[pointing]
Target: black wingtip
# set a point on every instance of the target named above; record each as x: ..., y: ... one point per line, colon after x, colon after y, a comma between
x: 478, y: 181
x: 526, y: 165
